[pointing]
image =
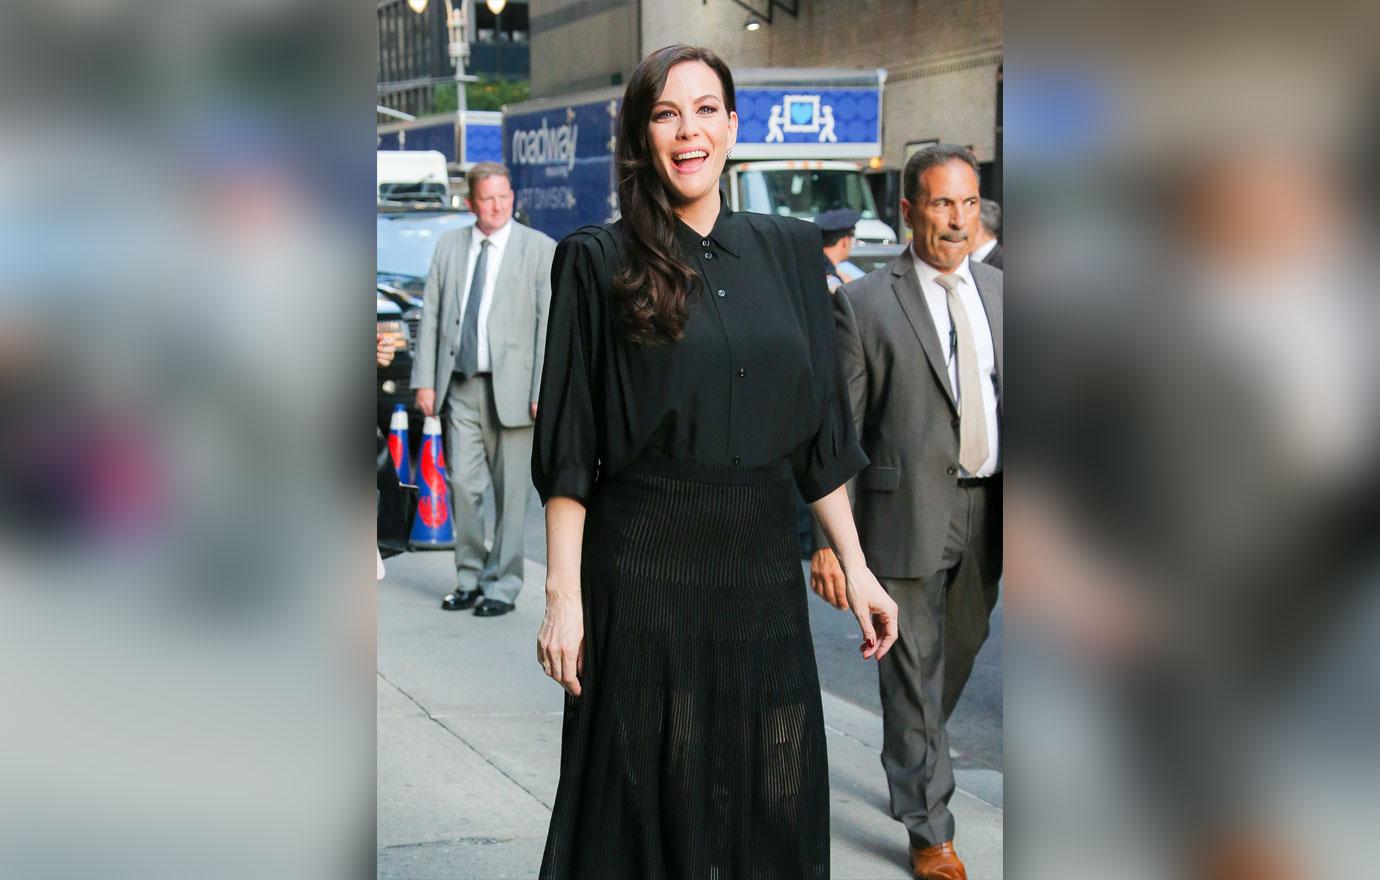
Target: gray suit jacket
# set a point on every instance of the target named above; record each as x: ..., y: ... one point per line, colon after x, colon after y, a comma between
x: 517, y: 320
x: 905, y: 415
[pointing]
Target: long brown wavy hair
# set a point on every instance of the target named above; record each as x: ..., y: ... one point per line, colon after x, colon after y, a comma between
x: 652, y: 286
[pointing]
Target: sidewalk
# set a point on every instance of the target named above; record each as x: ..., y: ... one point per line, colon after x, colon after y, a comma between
x: 469, y: 748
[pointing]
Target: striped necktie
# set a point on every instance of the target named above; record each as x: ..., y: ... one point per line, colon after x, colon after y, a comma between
x: 467, y: 362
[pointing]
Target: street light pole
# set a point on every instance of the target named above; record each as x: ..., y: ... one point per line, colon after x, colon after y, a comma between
x: 457, y: 20
x: 496, y: 7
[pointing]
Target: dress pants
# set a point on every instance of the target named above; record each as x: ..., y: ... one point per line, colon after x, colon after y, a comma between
x: 481, y: 452
x: 917, y: 693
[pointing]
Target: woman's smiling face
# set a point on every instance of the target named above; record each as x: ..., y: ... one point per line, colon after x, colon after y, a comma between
x: 690, y: 132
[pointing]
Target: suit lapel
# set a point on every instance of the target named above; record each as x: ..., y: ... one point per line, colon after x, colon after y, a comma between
x: 906, y: 286
x: 461, y: 268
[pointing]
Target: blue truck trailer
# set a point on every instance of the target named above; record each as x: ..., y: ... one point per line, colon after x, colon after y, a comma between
x: 483, y: 141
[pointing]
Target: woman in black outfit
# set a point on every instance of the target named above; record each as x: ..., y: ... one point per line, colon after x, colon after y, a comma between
x: 691, y: 379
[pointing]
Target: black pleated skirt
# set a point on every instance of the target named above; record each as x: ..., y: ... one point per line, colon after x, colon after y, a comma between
x: 697, y: 750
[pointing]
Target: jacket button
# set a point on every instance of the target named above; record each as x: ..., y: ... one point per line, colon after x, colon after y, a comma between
x: 705, y: 242
x: 952, y: 470
x: 737, y: 460
x: 742, y: 372
x: 722, y: 292
x: 708, y: 255
x: 954, y: 423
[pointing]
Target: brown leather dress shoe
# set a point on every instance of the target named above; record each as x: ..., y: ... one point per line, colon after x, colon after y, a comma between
x: 937, y: 863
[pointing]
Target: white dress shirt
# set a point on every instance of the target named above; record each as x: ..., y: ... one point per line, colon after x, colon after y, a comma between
x: 980, y: 253
x: 498, y: 242
x: 937, y: 301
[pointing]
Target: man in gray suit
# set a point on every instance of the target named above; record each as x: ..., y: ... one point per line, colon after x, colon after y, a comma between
x: 920, y: 345
x: 479, y: 352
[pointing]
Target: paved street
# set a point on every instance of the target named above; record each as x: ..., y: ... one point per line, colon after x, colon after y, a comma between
x: 469, y: 736
x: 975, y: 730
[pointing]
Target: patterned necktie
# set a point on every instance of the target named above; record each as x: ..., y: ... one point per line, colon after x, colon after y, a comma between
x: 467, y: 363
x: 972, y: 416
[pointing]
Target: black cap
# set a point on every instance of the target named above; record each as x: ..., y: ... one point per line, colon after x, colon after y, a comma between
x: 838, y: 220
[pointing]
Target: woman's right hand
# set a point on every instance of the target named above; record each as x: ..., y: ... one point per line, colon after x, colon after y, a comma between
x: 875, y: 610
x: 561, y: 641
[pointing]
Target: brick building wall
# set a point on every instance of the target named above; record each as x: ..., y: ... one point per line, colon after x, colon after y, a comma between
x: 953, y: 101
x: 582, y: 44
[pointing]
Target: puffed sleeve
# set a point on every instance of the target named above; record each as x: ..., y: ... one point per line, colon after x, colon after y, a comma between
x: 565, y: 447
x: 832, y: 454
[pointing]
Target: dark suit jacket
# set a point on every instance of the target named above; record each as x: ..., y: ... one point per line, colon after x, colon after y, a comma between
x: 906, y: 417
x: 994, y: 258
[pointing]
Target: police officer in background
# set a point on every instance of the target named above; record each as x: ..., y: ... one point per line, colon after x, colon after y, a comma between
x: 837, y: 227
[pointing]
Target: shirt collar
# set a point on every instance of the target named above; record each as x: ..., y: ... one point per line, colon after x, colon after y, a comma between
x: 498, y: 239
x: 980, y: 253
x: 727, y: 231
x: 928, y: 274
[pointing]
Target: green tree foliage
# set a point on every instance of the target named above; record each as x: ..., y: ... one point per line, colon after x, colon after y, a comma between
x: 492, y: 94
x: 486, y: 94
x: 443, y: 98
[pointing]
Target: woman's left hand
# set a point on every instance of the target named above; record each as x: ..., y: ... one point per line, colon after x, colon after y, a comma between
x: 875, y: 611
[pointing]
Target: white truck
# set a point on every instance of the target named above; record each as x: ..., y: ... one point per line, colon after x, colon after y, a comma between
x: 806, y: 188
x: 413, y: 176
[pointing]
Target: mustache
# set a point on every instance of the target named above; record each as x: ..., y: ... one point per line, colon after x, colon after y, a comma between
x: 954, y: 236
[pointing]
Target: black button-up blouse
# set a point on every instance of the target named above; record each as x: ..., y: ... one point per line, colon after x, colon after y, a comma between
x: 754, y: 380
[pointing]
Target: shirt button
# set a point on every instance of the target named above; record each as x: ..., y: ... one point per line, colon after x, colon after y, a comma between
x: 705, y: 242
x: 722, y: 292
x: 742, y: 372
x: 708, y: 255
x: 952, y: 470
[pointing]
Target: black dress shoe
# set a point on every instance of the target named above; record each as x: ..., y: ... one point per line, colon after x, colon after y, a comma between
x: 492, y: 608
x: 461, y: 600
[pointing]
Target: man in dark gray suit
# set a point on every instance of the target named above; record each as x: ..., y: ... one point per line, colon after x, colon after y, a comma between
x: 920, y: 345
x: 479, y: 352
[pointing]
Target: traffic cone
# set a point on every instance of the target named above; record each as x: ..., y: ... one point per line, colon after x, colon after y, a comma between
x: 434, y: 528
x: 398, y: 445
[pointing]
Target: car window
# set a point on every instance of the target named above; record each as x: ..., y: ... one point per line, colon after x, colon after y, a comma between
x: 406, y: 241
x: 807, y: 193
